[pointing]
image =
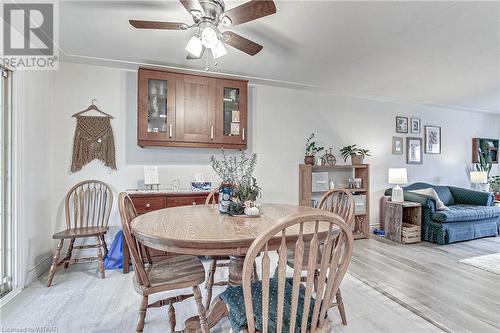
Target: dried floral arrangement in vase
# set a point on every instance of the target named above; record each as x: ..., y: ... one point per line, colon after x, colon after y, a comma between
x: 239, y: 190
x: 311, y: 150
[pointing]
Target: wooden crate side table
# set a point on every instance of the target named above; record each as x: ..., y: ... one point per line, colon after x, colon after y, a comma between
x: 403, y: 221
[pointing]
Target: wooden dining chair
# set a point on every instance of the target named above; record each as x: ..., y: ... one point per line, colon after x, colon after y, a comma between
x: 178, y: 272
x: 286, y: 302
x: 341, y: 202
x: 87, y: 206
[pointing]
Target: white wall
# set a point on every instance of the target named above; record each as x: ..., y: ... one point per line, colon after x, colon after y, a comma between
x: 280, y: 120
x: 34, y: 95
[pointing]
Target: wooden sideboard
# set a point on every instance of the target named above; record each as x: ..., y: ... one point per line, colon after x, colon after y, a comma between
x: 186, y: 110
x: 148, y: 201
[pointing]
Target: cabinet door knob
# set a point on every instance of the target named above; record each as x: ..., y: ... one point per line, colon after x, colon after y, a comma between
x: 194, y: 203
x: 169, y: 130
x: 243, y: 135
x: 148, y: 205
x: 211, y: 132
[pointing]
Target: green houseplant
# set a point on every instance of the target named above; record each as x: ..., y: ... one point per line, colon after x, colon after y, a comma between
x: 495, y: 186
x: 356, y: 154
x: 311, y: 150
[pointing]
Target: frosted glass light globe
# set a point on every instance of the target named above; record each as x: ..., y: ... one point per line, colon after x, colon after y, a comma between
x: 209, y: 37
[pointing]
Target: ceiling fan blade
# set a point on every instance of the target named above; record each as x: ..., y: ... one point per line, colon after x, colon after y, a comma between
x: 192, y: 5
x: 158, y: 25
x: 192, y: 57
x: 241, y: 43
x: 250, y: 11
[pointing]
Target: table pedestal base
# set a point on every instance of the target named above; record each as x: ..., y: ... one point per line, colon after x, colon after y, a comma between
x: 218, y: 309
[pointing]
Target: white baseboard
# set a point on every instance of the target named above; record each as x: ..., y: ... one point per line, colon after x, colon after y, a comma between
x: 36, y: 271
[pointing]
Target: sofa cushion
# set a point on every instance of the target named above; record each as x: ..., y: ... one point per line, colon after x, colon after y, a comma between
x: 433, y: 194
x: 461, y: 213
x: 443, y: 192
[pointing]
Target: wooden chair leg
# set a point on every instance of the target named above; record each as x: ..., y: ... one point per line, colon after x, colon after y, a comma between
x: 171, y: 317
x: 55, y: 260
x: 104, y: 246
x: 126, y: 258
x: 68, y: 254
x: 210, y: 283
x: 340, y: 305
x: 201, y: 310
x: 100, y: 260
x: 142, y: 314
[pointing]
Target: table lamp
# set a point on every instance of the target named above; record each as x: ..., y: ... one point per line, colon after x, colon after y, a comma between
x: 397, y: 176
x: 478, y: 177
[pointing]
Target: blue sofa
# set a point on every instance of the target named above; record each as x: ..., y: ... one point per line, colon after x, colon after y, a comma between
x: 472, y: 213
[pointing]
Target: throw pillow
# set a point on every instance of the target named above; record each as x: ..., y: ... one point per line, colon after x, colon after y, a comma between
x: 432, y: 193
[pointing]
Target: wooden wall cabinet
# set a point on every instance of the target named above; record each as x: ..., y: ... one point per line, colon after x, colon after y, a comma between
x: 184, y: 110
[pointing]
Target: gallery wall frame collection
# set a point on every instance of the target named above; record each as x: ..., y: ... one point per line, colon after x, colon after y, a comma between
x: 416, y: 146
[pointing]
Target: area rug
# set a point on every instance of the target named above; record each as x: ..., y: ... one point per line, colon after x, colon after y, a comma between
x: 489, y: 262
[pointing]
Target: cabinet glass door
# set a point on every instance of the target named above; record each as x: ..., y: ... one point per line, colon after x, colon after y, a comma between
x: 156, y: 120
x: 231, y: 111
x: 157, y: 106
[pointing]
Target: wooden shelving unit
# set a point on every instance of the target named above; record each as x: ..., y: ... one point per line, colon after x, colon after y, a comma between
x: 340, y: 175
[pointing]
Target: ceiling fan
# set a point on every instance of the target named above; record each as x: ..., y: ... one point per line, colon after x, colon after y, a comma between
x: 208, y: 15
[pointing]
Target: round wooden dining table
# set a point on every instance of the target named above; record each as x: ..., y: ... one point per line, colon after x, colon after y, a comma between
x: 201, y: 230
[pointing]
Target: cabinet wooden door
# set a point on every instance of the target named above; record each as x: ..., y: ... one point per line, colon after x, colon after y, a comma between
x: 156, y: 106
x: 231, y: 112
x: 195, y: 118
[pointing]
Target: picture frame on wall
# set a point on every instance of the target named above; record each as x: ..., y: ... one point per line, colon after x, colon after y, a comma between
x: 415, y: 125
x: 397, y: 145
x: 401, y: 124
x: 414, y: 153
x: 432, y: 139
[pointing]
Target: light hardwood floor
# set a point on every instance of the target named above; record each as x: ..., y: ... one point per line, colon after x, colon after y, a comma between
x: 429, y: 280
x: 390, y: 288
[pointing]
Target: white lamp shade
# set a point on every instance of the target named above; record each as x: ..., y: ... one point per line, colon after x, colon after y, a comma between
x: 478, y: 177
x: 194, y: 47
x: 219, y: 50
x: 398, y: 176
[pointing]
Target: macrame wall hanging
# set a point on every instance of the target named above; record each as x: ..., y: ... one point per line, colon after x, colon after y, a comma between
x: 93, y: 139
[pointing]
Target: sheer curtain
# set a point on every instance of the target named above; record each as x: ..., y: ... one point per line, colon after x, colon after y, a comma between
x: 6, y: 225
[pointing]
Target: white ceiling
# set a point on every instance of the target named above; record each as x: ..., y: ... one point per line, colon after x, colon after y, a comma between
x: 431, y: 53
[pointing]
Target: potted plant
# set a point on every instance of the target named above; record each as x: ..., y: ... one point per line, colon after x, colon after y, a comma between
x: 311, y: 150
x: 238, y: 185
x: 356, y: 154
x: 495, y: 186
x: 485, y: 164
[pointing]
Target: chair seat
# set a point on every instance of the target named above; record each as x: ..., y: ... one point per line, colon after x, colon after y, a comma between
x: 290, y: 260
x: 80, y: 232
x: 178, y: 272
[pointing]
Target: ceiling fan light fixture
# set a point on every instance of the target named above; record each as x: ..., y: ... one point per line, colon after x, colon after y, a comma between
x: 194, y: 47
x: 219, y: 50
x: 225, y: 20
x: 209, y: 37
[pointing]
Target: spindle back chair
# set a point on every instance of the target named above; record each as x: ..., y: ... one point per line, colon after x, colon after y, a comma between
x: 334, y: 257
x: 172, y: 273
x: 340, y: 202
x: 87, y: 209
